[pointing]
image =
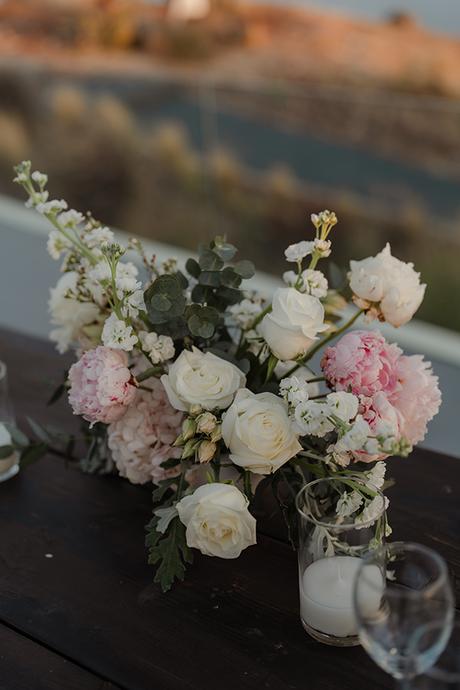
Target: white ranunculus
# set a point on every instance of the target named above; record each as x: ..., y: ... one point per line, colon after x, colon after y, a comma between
x: 217, y: 520
x: 69, y: 314
x: 391, y: 283
x: 293, y: 324
x: 258, y: 432
x: 198, y: 378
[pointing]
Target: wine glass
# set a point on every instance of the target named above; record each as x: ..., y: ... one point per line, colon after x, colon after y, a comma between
x: 410, y: 582
x: 445, y: 675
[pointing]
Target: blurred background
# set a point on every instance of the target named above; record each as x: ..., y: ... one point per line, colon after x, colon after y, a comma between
x: 183, y: 119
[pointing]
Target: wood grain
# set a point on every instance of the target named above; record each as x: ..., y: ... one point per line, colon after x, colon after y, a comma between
x: 231, y: 624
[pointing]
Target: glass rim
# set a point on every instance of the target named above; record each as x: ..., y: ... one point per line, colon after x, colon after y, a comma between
x: 410, y: 546
x: 341, y: 527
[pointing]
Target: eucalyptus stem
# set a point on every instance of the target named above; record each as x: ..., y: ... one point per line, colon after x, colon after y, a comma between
x: 148, y: 373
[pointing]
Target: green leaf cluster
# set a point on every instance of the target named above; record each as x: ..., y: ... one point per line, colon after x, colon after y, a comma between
x: 169, y: 551
x: 217, y: 287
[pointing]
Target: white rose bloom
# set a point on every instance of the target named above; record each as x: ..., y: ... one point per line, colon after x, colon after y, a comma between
x: 258, y: 432
x: 343, y: 405
x: 68, y: 313
x: 386, y: 280
x: 293, y: 324
x: 198, y: 378
x: 117, y: 334
x: 159, y: 347
x: 217, y: 520
x: 297, y: 252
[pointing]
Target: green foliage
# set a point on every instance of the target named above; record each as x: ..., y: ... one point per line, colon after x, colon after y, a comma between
x: 169, y: 551
x: 217, y: 287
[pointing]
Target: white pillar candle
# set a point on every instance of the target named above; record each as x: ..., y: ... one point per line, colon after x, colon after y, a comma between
x: 326, y: 594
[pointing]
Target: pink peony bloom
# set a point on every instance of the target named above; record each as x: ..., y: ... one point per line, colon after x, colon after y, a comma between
x: 417, y: 397
x: 142, y: 439
x: 363, y: 363
x: 100, y: 388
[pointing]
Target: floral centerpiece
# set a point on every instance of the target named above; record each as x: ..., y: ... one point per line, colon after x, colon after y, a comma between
x: 200, y: 387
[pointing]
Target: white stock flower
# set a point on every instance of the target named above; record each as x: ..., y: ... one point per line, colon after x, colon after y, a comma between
x: 40, y: 178
x: 294, y: 390
x: 159, y: 347
x: 99, y: 237
x: 376, y: 476
x: 297, y: 252
x: 372, y: 511
x: 348, y: 503
x: 303, y: 374
x: 71, y: 218
x: 198, y: 378
x: 293, y: 324
x: 133, y: 303
x: 53, y: 206
x: 68, y: 313
x: 217, y: 520
x: 391, y: 283
x: 322, y: 247
x: 312, y: 418
x: 117, y: 334
x: 244, y: 313
x: 258, y: 432
x: 343, y: 405
x: 126, y: 278
x: 356, y: 437
x: 310, y: 282
x: 57, y: 244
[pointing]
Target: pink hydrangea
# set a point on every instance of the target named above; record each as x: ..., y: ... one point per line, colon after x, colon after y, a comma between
x: 100, y: 385
x: 142, y: 439
x: 417, y: 397
x: 363, y: 363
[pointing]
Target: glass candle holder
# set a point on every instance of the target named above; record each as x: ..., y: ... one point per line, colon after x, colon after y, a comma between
x: 330, y: 552
x: 9, y: 465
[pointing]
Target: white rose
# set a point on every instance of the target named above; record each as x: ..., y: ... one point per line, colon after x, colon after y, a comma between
x: 198, y: 378
x: 69, y: 314
x: 258, y: 433
x: 293, y: 324
x: 218, y: 521
x: 386, y: 280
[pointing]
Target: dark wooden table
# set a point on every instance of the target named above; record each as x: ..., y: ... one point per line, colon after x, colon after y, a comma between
x: 78, y: 609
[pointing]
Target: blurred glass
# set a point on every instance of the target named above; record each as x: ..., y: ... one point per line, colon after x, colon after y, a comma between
x: 445, y: 675
x: 9, y: 466
x: 417, y: 594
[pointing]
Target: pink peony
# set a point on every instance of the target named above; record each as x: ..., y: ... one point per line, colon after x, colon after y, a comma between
x: 417, y: 397
x: 100, y: 388
x: 362, y: 362
x: 142, y: 439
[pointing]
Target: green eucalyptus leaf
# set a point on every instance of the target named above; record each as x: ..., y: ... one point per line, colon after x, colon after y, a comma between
x: 245, y: 269
x: 193, y: 268
x: 229, y: 278
x: 160, y: 303
x: 210, y: 261
x: 210, y: 278
x: 200, y: 293
x: 229, y: 295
